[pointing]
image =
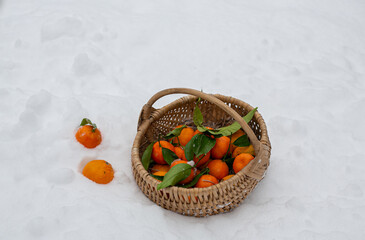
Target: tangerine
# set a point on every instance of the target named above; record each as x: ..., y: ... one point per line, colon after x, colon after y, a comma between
x: 206, y: 181
x: 220, y: 148
x: 227, y: 177
x: 99, y: 171
x: 185, y: 136
x: 241, y: 161
x: 157, y: 151
x: 160, y: 173
x: 239, y: 150
x: 159, y: 168
x: 88, y: 136
x: 234, y: 137
x: 180, y: 153
x: 218, y: 169
x: 202, y: 160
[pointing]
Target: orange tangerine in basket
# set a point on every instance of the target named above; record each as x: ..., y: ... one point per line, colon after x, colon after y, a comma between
x: 218, y: 168
x: 234, y: 137
x: 220, y: 148
x: 201, y: 160
x: 159, y: 168
x: 160, y: 173
x: 241, y: 161
x: 206, y: 181
x: 180, y: 153
x: 227, y: 177
x: 157, y: 151
x: 185, y: 136
x: 239, y: 150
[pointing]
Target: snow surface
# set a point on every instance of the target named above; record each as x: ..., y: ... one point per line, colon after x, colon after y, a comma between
x: 301, y: 62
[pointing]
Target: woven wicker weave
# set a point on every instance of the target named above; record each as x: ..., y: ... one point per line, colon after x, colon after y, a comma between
x: 217, y: 111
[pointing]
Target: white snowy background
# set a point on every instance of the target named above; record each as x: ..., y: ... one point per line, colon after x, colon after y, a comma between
x: 302, y: 63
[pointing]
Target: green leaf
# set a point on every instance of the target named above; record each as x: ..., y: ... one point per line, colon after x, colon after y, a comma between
x: 175, y: 133
x: 158, y: 177
x: 250, y: 115
x: 199, y: 144
x: 203, y: 144
x: 176, y: 174
x: 242, y: 141
x: 198, y: 116
x: 202, y: 129
x: 234, y: 127
x: 227, y: 130
x: 189, y: 151
x: 196, y: 179
x: 215, y: 133
x: 86, y: 121
x: 168, y: 155
x: 146, y: 157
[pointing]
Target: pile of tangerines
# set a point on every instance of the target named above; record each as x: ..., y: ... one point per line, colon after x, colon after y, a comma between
x: 198, y: 156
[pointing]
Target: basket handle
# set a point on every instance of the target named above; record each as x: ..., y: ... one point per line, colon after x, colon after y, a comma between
x: 147, y: 109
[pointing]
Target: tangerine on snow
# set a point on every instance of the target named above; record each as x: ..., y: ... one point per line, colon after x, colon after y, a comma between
x: 157, y: 151
x: 185, y: 136
x: 180, y: 153
x: 99, y: 171
x: 220, y: 148
x: 190, y: 177
x: 241, y: 161
x: 239, y: 150
x: 206, y: 181
x: 218, y: 169
x: 88, y: 136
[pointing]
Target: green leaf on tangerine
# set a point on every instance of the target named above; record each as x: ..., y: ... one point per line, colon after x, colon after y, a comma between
x: 176, y: 174
x: 168, y: 155
x: 202, y: 129
x: 86, y: 121
x: 189, y: 151
x: 203, y: 144
x: 242, y: 141
x: 175, y: 133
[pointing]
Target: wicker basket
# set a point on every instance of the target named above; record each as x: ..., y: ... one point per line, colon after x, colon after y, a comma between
x: 218, y: 111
